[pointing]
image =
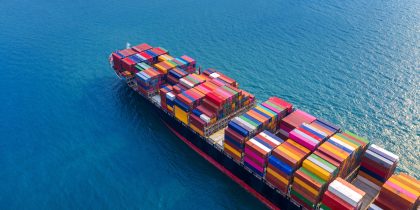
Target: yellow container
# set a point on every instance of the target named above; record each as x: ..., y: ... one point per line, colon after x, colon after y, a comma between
x: 289, y: 153
x: 306, y: 186
x: 320, y: 172
x: 170, y: 64
x: 278, y: 176
x: 197, y: 129
x: 181, y: 115
x: 161, y: 68
x: 231, y: 149
x: 170, y: 108
x: 165, y: 57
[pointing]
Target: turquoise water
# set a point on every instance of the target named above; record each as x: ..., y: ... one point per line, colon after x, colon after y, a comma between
x: 75, y: 137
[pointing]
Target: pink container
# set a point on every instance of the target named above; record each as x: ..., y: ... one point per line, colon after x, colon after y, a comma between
x: 302, y: 141
x: 251, y: 154
x: 253, y: 164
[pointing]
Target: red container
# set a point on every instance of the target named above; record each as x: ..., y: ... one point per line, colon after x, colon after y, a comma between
x: 278, y: 184
x: 334, y: 202
x: 141, y: 47
x: 211, y: 106
x: 148, y: 57
x: 197, y: 121
x: 234, y: 135
x: 278, y: 101
x: 128, y: 65
x: 158, y: 51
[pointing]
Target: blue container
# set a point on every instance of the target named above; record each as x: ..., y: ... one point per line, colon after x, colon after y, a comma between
x: 262, y: 113
x: 237, y: 144
x: 328, y: 125
x: 238, y: 128
x: 263, y: 142
x: 280, y: 165
x: 259, y: 124
x: 196, y: 112
x: 313, y: 132
x: 181, y: 105
x: 268, y: 133
x: 136, y: 58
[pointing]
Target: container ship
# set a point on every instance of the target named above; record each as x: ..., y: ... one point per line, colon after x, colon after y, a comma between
x: 284, y: 156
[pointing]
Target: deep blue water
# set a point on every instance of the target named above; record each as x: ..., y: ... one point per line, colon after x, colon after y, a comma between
x: 72, y: 136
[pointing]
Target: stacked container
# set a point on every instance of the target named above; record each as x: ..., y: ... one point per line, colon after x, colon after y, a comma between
x: 257, y: 150
x: 174, y: 75
x: 186, y: 102
x: 360, y: 140
x: 341, y: 152
x: 192, y: 80
x: 342, y: 195
x: 158, y: 51
x: 220, y: 78
x: 310, y: 181
x: 142, y: 66
x: 245, y: 126
x: 305, y: 137
x: 148, y: 81
x: 163, y: 92
x: 292, y: 121
x: 118, y: 56
x: 275, y: 108
x: 283, y: 162
x: 170, y: 101
x: 165, y: 66
x: 141, y: 47
x: 186, y: 63
x: 378, y: 164
x: 399, y: 192
x: 165, y: 57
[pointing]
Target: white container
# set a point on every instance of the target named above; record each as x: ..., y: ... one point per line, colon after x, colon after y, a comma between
x: 205, y: 118
x: 214, y: 75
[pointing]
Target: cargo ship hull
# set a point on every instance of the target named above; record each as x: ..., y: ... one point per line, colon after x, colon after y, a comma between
x: 234, y: 170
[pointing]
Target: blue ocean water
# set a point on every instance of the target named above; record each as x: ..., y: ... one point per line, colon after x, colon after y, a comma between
x: 72, y: 136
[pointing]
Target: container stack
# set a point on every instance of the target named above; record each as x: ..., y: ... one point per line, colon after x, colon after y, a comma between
x: 141, y: 66
x: 224, y: 100
x: 178, y: 88
x: 322, y: 128
x: 165, y: 66
x: 148, y: 81
x: 342, y: 195
x: 399, y: 192
x: 363, y: 142
x: 174, y: 75
x: 165, y: 57
x: 141, y: 47
x: 164, y: 90
x: 118, y: 56
x: 188, y: 64
x: 257, y: 150
x: 275, y: 108
x: 305, y: 137
x: 378, y: 164
x: 341, y: 152
x: 310, y: 181
x: 292, y: 121
x: 283, y: 162
x: 192, y: 80
x: 170, y: 101
x: 157, y: 51
x: 220, y: 78
x: 186, y: 102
